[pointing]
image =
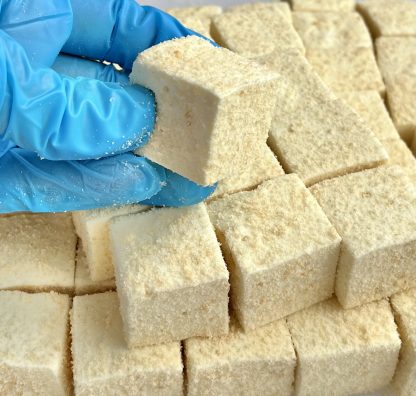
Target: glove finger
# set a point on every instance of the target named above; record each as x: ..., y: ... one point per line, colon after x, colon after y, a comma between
x: 74, y: 66
x: 121, y: 29
x: 31, y: 184
x: 40, y: 27
x: 179, y: 191
x: 63, y: 118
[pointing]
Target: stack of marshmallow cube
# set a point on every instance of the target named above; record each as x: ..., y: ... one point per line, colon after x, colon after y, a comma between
x: 297, y: 276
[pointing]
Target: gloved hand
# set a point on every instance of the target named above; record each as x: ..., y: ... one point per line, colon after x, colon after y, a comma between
x: 54, y: 124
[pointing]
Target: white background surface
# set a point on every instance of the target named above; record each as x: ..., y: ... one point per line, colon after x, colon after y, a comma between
x: 184, y: 3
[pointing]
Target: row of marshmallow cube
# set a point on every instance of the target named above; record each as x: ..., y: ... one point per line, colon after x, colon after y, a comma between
x: 321, y: 350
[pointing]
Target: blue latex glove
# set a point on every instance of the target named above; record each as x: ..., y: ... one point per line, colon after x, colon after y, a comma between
x: 69, y: 120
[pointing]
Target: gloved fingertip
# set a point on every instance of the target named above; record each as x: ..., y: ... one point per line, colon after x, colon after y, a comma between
x: 211, y: 41
x: 178, y: 191
x: 165, y: 198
